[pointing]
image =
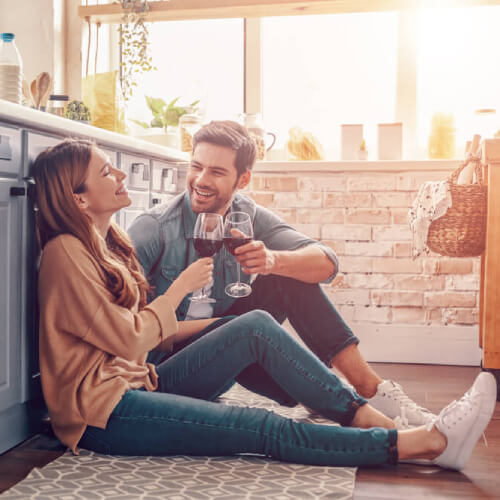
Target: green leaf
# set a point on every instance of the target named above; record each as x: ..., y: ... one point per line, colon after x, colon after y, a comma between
x: 156, y: 105
x: 171, y: 104
x: 142, y: 124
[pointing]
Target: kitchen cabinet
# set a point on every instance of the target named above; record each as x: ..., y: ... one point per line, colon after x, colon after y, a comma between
x: 138, y: 170
x: 33, y: 145
x: 166, y: 181
x: 19, y: 414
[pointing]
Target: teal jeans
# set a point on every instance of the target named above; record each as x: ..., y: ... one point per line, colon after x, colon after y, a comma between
x: 180, y: 418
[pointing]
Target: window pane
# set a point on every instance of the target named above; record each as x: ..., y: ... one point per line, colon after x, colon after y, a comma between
x: 458, y: 67
x: 195, y: 60
x: 322, y: 71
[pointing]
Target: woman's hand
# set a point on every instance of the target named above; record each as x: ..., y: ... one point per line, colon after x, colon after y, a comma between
x: 194, y: 277
x: 197, y: 275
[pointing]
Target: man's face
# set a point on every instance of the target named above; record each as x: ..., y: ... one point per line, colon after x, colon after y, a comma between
x: 212, y: 178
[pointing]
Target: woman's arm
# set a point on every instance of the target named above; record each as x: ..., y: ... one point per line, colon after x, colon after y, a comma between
x: 186, y: 329
x: 75, y: 300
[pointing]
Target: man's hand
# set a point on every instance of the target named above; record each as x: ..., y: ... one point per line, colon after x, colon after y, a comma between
x: 255, y: 258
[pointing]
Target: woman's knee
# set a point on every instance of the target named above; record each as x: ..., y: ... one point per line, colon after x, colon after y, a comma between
x: 259, y: 320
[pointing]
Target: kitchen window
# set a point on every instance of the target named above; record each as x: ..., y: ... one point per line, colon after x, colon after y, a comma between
x: 458, y: 69
x: 322, y: 71
x: 195, y: 60
x: 319, y: 72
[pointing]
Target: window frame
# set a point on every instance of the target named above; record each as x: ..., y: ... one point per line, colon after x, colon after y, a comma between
x: 406, y: 82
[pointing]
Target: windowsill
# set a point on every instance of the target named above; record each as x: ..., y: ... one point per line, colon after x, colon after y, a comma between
x: 359, y: 166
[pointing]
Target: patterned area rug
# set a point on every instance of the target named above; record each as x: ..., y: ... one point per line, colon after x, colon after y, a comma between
x: 91, y: 476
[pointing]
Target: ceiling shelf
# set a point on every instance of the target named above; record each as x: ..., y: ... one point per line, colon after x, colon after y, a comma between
x: 175, y: 10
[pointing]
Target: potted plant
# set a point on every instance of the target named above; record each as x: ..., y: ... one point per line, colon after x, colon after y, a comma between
x: 134, y: 44
x: 165, y: 119
x: 362, y: 152
x: 77, y: 110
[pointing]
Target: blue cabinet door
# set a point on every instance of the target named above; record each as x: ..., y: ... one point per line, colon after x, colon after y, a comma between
x: 13, y: 427
x: 33, y: 145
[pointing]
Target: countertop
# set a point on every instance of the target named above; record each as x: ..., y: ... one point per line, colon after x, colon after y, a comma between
x: 45, y: 122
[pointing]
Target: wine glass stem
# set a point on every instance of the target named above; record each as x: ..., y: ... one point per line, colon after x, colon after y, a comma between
x: 199, y: 294
x: 238, y: 273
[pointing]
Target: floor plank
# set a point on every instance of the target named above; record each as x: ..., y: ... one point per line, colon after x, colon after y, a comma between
x: 430, y: 385
x: 435, y: 387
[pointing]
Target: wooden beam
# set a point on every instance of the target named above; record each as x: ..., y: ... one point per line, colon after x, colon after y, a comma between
x: 175, y: 10
x: 490, y: 310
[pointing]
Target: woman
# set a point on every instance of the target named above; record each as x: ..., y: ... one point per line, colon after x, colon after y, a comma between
x: 96, y: 329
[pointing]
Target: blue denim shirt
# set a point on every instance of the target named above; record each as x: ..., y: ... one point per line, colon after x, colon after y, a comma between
x: 163, y: 238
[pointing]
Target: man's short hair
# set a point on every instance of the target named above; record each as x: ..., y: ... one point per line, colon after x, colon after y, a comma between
x: 232, y: 135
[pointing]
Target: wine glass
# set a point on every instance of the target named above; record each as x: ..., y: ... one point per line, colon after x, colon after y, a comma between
x: 238, y: 230
x: 207, y: 239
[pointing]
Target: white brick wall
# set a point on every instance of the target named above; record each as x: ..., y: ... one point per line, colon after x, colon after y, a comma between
x: 362, y: 215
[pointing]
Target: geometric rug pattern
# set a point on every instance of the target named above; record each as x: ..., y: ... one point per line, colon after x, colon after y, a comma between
x: 91, y: 476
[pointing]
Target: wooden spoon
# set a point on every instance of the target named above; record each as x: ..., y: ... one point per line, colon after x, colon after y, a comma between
x: 34, y: 93
x: 44, y: 88
x: 27, y: 93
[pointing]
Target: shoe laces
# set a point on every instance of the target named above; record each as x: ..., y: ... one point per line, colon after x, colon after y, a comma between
x: 456, y: 410
x: 396, y: 392
x: 401, y: 421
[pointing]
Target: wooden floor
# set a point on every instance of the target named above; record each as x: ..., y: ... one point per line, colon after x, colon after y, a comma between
x: 433, y: 386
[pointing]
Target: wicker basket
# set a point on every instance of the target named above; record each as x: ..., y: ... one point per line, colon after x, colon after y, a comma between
x: 461, y: 231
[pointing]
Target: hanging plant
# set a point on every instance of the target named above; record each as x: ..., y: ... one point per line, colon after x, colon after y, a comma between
x: 135, y: 58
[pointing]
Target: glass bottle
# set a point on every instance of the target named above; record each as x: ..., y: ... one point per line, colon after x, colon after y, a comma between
x: 11, y: 70
x: 253, y: 123
x: 57, y: 104
x: 189, y: 124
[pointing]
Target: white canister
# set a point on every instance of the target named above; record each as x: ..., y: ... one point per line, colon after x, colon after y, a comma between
x: 351, y: 138
x: 390, y: 141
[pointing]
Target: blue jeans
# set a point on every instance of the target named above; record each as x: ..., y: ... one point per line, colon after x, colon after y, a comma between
x: 181, y: 419
x: 309, y: 311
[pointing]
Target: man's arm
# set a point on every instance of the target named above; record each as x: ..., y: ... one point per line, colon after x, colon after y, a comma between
x: 280, y: 249
x: 309, y: 264
x: 146, y: 238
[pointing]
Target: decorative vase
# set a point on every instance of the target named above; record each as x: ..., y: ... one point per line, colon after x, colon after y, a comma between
x: 362, y: 154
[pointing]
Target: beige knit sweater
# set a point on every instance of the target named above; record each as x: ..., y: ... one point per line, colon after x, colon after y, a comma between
x: 91, y: 350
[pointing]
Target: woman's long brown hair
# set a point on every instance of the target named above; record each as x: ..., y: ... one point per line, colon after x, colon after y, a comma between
x: 59, y: 172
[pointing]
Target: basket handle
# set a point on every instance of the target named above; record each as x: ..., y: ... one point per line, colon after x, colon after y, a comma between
x: 478, y: 169
x: 473, y: 155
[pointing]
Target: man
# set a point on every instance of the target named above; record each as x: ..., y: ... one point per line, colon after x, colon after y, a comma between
x: 289, y: 267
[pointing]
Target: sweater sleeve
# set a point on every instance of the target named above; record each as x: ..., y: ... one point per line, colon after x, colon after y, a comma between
x: 75, y: 300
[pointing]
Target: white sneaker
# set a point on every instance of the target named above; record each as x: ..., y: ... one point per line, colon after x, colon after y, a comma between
x: 392, y: 401
x: 462, y: 422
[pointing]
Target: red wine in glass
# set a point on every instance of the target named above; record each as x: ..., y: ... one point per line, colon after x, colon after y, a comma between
x: 232, y: 244
x: 238, y: 231
x: 207, y: 240
x: 206, y: 247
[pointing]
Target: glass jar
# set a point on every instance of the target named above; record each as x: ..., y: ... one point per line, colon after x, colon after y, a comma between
x: 253, y: 123
x: 189, y: 124
x: 485, y: 122
x: 442, y: 137
x: 57, y: 103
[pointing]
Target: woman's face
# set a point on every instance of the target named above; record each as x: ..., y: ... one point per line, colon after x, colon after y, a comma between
x: 105, y: 191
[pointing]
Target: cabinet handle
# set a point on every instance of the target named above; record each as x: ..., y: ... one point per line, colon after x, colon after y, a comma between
x: 17, y: 191
x: 30, y: 181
